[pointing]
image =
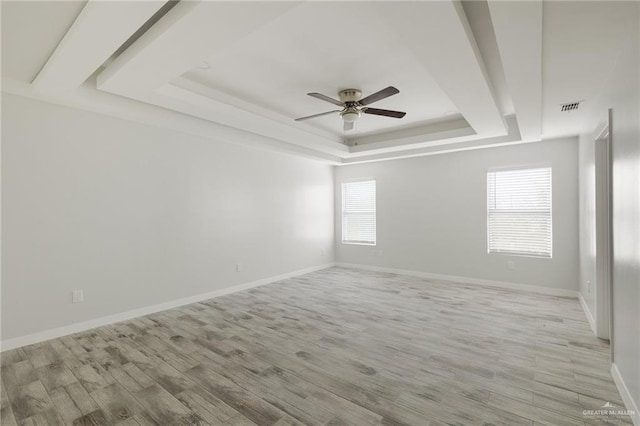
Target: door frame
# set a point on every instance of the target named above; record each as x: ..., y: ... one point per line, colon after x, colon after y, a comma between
x: 604, y: 234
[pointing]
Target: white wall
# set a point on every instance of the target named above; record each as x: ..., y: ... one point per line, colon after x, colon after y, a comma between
x: 137, y: 215
x: 431, y: 215
x: 622, y: 95
x: 624, y: 100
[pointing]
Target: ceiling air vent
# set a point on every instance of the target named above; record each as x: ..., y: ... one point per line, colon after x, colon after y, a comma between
x: 571, y: 106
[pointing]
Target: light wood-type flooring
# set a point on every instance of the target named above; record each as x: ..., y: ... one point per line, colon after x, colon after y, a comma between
x: 334, y: 347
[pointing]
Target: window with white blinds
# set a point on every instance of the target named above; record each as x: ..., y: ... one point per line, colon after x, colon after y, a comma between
x: 519, y: 211
x: 359, y: 212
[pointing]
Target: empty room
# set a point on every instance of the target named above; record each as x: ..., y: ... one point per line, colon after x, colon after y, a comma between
x: 320, y: 213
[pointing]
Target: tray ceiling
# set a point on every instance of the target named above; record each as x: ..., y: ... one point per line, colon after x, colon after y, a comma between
x: 273, y: 69
x: 470, y: 74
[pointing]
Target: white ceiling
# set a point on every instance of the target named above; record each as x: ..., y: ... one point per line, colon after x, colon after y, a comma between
x: 581, y: 46
x: 480, y: 22
x: 471, y: 74
x: 274, y: 69
x: 30, y: 33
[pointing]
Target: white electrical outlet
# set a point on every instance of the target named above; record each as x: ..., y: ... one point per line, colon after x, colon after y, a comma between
x: 238, y: 267
x: 322, y: 252
x: 588, y: 286
x: 77, y: 296
x: 380, y: 253
x: 510, y: 265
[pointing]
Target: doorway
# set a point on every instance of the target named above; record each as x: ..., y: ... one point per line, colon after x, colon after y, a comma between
x: 604, y: 287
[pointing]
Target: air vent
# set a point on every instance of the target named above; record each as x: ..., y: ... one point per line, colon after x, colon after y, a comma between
x: 571, y: 106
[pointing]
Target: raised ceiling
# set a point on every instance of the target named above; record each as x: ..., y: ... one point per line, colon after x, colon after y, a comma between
x: 470, y: 74
x: 277, y: 64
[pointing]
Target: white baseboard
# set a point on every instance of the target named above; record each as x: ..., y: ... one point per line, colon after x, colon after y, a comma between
x: 625, y: 394
x: 54, y: 333
x: 587, y: 313
x: 467, y: 280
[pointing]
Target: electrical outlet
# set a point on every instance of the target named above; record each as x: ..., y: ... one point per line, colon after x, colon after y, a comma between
x: 588, y: 286
x: 77, y: 296
x: 238, y: 267
x: 322, y: 252
x: 380, y: 253
x: 510, y: 265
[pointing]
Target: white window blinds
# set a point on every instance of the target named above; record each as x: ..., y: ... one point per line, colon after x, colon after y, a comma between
x: 359, y: 212
x: 519, y: 211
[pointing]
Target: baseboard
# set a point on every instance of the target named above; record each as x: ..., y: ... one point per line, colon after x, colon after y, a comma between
x: 587, y: 313
x: 54, y: 333
x: 468, y: 280
x: 625, y: 394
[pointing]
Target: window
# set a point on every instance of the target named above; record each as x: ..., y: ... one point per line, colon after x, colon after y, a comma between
x: 519, y: 211
x: 359, y: 212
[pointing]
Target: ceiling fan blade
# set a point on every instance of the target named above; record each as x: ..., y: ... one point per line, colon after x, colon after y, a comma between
x: 375, y: 97
x: 385, y: 112
x: 325, y: 98
x: 348, y: 125
x: 317, y: 115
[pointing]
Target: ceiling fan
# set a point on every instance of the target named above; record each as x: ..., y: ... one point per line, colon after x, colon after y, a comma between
x: 353, y: 105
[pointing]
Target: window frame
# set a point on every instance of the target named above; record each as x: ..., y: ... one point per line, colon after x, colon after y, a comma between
x: 550, y: 212
x: 344, y: 213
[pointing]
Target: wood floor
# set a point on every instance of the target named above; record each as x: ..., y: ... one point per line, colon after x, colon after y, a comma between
x: 335, y: 347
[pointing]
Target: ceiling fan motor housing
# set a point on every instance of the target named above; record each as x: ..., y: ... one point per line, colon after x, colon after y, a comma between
x: 350, y: 95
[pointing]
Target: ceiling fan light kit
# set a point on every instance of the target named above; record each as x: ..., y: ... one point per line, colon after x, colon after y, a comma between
x: 353, y: 105
x: 350, y: 115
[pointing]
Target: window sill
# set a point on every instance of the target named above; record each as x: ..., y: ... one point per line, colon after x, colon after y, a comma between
x: 353, y: 243
x: 535, y: 256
